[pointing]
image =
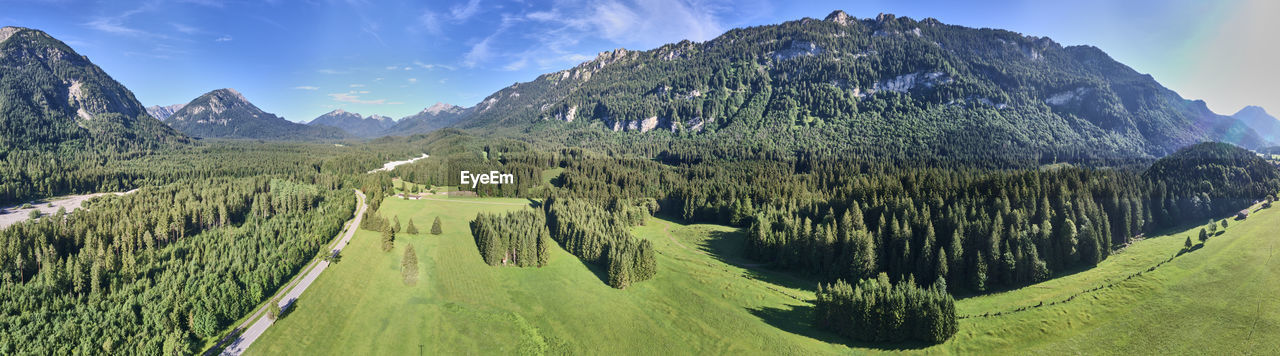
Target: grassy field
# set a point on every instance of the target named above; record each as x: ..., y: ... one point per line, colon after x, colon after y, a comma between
x: 706, y: 299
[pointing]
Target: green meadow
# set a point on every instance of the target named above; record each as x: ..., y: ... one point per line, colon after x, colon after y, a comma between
x: 707, y: 299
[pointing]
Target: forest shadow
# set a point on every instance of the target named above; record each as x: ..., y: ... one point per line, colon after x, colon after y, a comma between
x: 796, y: 319
x: 601, y: 272
x: 730, y: 248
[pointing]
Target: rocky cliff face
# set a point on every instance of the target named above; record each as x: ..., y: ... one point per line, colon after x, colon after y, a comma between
x: 49, y: 95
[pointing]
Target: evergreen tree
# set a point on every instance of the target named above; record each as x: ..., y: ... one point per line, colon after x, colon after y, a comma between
x: 435, y: 227
x: 388, y: 239
x: 410, y: 229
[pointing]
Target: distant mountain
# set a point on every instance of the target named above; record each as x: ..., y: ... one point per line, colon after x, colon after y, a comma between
x: 1266, y: 125
x: 52, y: 97
x: 886, y: 85
x: 163, y: 112
x: 353, y: 123
x: 433, y: 118
x: 224, y: 113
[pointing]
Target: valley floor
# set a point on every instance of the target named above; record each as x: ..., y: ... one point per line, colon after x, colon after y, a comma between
x: 707, y: 299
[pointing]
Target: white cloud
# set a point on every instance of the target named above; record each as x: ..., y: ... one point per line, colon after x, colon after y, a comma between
x: 392, y: 67
x: 185, y: 29
x: 329, y: 71
x: 479, y: 52
x: 430, y: 66
x: 224, y: 38
x: 306, y: 87
x: 463, y: 12
x: 517, y: 65
x: 355, y: 99
x: 434, y: 22
x: 413, y: 80
x: 408, y: 68
x: 356, y: 85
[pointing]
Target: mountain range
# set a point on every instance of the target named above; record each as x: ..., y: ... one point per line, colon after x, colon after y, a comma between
x: 52, y: 97
x: 355, y: 124
x: 1259, y: 120
x: 163, y: 112
x: 886, y: 85
x: 225, y: 113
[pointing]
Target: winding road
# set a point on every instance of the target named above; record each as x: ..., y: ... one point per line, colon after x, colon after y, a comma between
x: 249, y: 331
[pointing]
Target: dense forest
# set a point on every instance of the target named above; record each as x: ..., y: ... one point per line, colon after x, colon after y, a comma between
x: 156, y: 271
x: 519, y: 238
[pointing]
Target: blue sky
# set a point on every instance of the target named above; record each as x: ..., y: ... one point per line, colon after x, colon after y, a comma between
x: 300, y: 59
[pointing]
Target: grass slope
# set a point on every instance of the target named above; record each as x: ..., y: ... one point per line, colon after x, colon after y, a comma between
x: 706, y: 299
x: 1220, y: 298
x: 696, y: 303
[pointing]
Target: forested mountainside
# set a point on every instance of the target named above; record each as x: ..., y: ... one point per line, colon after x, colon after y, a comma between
x: 51, y: 96
x: 354, y: 124
x: 888, y: 85
x: 225, y: 113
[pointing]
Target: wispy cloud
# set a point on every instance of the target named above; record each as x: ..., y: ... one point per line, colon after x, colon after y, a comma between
x: 354, y: 98
x: 434, y: 22
x: 306, y: 87
x: 517, y: 65
x: 185, y: 29
x: 223, y: 38
x: 413, y: 80
x: 329, y: 71
x: 463, y: 12
x: 356, y: 85
x: 117, y: 24
x: 430, y: 66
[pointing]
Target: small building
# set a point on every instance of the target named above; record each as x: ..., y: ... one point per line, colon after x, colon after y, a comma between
x: 1243, y: 214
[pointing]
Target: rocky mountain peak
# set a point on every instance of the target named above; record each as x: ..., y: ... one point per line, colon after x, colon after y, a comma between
x: 440, y: 107
x: 7, y: 31
x: 839, y: 17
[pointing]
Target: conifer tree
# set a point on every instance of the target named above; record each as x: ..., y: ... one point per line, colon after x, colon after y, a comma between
x: 410, y: 229
x: 435, y: 227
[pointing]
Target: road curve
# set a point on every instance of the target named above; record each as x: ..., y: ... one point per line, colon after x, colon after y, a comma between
x: 288, y: 294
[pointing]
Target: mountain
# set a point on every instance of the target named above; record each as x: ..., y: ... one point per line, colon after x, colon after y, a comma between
x: 1266, y: 125
x: 163, y: 112
x: 432, y: 118
x: 886, y: 85
x: 353, y: 123
x: 52, y: 97
x: 224, y: 113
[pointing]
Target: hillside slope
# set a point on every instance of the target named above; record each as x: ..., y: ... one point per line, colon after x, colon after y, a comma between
x: 51, y: 96
x: 888, y: 85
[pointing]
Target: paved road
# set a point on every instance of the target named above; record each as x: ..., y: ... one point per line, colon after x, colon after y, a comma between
x: 290, y: 292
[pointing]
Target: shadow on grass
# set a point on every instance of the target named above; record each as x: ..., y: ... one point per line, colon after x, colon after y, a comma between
x: 797, y: 319
x: 599, y: 270
x: 730, y: 248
